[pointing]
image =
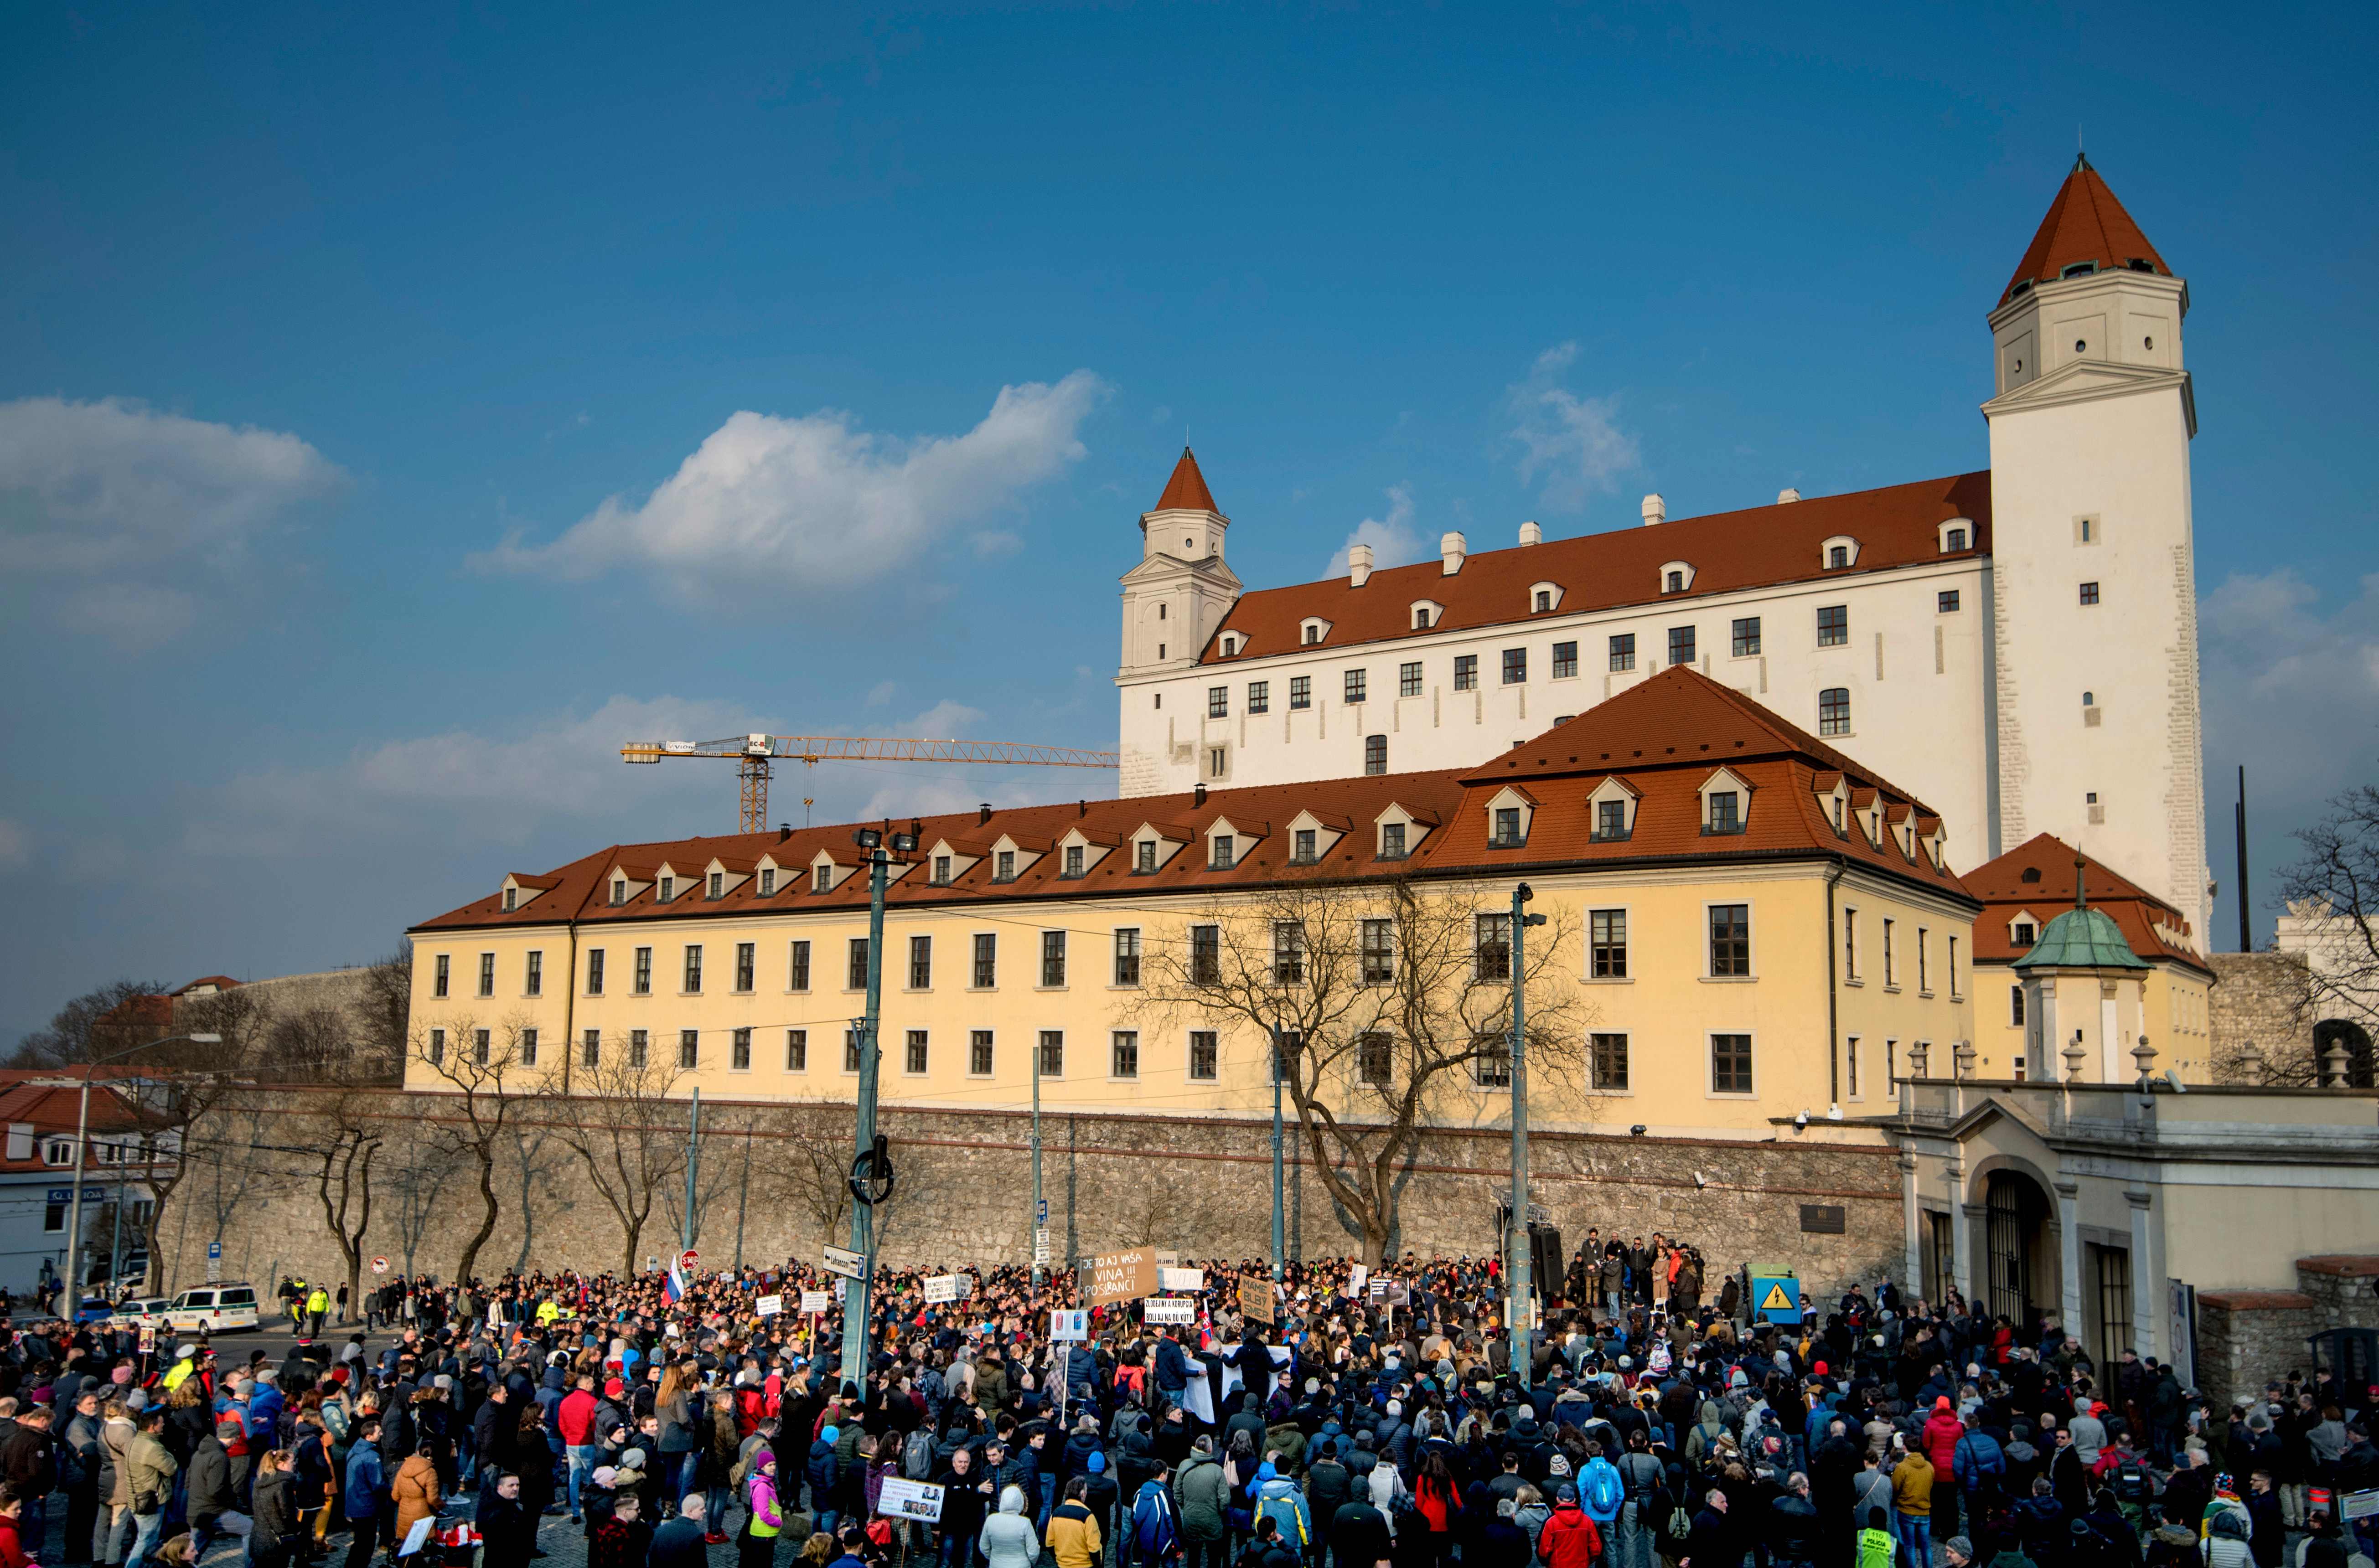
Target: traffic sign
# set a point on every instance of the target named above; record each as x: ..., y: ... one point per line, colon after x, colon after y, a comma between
x: 849, y: 1265
x: 214, y: 1262
x: 688, y: 1260
x: 1041, y: 1245
x: 1041, y: 1212
x: 380, y: 1265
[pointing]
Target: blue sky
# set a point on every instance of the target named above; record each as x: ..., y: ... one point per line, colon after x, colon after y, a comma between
x: 400, y: 410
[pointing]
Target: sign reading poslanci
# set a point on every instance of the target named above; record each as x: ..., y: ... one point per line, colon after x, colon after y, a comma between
x: 1255, y: 1298
x: 1122, y: 1276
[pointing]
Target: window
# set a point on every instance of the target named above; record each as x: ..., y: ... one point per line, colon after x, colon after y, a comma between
x: 643, y: 979
x: 1954, y: 969
x: 1622, y: 651
x: 1955, y: 539
x: 1301, y: 847
x: 1218, y: 702
x: 1606, y: 942
x: 1259, y: 696
x: 639, y: 1048
x: 1515, y: 666
x: 1564, y: 660
x: 1074, y: 862
x: 487, y: 975
x: 2015, y: 1007
x: 850, y: 1056
x: 1355, y: 684
x: 1731, y: 1064
x: 532, y: 981
x: 979, y: 1053
x: 1465, y: 672
x: 512, y: 899
x: 1420, y: 613
x: 1608, y: 1062
x: 1492, y: 943
x: 941, y: 870
x: 1313, y: 635
x: 856, y: 973
x: 1392, y: 840
x: 689, y: 1047
x: 916, y: 1060
x: 797, y: 1050
x: 1946, y: 601
x: 1725, y: 812
x: 1674, y: 583
x: 1851, y: 1065
x: 1144, y: 856
x: 2089, y: 593
x: 1681, y: 644
x: 986, y: 959
x: 1837, y: 557
x: 1051, y: 1062
x: 1834, y: 711
x: 1053, y: 958
x: 1002, y: 867
x: 768, y: 881
x: 1408, y: 680
x: 1126, y: 956
x: 1923, y: 961
x: 797, y: 971
x: 1123, y: 1060
x: 1850, y: 945
x: 619, y: 891
x: 1224, y: 856
x: 1834, y: 625
x: 1379, y: 951
x: 1375, y: 1058
x: 1507, y: 828
x: 1746, y: 636
x: 822, y: 878
x: 1205, y: 1055
x: 61, y: 1151
x: 590, y: 1048
x: 1890, y: 976
x: 437, y: 1055
x: 746, y: 962
x: 53, y: 1217
x: 667, y: 889
x: 1490, y: 1060
x: 1544, y: 600
x: 1610, y: 821
x: 739, y: 1050
x: 693, y: 970
x: 2022, y: 933
x: 1288, y: 953
x: 717, y: 885
x: 1205, y: 955
x: 529, y: 1047
x: 921, y: 963
x: 1375, y: 754
x: 1301, y: 692
x: 1730, y: 940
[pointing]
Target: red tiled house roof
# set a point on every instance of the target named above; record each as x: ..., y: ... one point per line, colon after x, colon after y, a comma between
x: 2084, y: 224
x: 1187, y: 490
x: 2005, y: 893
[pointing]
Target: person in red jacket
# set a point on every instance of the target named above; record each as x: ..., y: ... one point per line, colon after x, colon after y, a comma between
x: 580, y: 1442
x: 12, y: 1545
x: 1569, y: 1539
x: 1942, y: 1430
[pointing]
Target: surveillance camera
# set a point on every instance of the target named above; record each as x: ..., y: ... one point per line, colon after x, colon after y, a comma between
x: 1700, y: 1180
x: 1639, y: 1130
x: 1800, y: 1121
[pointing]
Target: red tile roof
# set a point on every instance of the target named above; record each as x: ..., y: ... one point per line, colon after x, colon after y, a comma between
x: 1759, y: 547
x: 2137, y: 913
x: 2084, y: 224
x: 1187, y: 490
x: 1663, y: 738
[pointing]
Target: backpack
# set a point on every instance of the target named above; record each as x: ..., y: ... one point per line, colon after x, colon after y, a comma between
x: 1282, y: 1510
x: 1681, y: 1525
x: 1154, y: 1535
x: 1604, y: 1490
x: 2131, y: 1481
x: 917, y: 1457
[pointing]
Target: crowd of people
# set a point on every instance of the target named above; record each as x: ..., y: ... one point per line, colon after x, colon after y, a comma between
x: 1381, y: 1417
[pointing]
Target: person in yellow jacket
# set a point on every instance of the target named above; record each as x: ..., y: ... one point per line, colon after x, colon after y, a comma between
x: 547, y: 1311
x: 1912, y: 1500
x: 1073, y: 1531
x: 179, y: 1372
x: 317, y: 1307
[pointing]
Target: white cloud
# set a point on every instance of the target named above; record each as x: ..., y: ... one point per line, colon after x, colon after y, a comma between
x: 946, y: 720
x: 1575, y: 442
x: 15, y: 845
x: 133, y: 615
x: 2291, y: 690
x: 814, y: 501
x: 1393, y: 540
x: 90, y: 486
x: 882, y: 691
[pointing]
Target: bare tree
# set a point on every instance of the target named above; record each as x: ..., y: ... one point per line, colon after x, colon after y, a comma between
x: 179, y: 1101
x: 618, y: 1120
x: 346, y: 1139
x: 1391, y: 1003
x: 419, y: 1164
x: 537, y: 1171
x: 715, y: 1173
x: 313, y: 1044
x: 478, y: 1069
x: 810, y: 1166
x: 387, y: 1009
x: 2333, y: 887
x: 85, y: 1027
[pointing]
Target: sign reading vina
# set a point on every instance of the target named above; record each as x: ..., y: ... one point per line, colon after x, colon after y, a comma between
x: 1121, y: 1276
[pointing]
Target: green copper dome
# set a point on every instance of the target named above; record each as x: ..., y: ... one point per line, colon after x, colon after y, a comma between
x: 2081, y: 938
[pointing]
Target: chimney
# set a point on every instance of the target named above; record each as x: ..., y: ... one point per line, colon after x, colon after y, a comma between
x: 1451, y: 548
x: 1197, y: 795
x: 982, y: 814
x: 1655, y: 509
x: 784, y: 831
x: 1531, y: 534
x: 1787, y: 494
x: 1359, y: 563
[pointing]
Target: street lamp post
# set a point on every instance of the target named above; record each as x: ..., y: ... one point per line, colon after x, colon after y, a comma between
x: 82, y: 1127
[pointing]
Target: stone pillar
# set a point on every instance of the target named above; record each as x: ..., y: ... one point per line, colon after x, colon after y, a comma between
x: 2069, y: 1257
x: 2147, y: 1287
x: 1957, y: 1267
x: 1912, y: 1283
x: 1975, y: 1248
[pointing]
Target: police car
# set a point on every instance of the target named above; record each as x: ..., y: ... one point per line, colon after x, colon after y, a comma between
x: 218, y: 1308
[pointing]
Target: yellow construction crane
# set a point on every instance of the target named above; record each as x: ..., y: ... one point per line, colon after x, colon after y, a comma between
x: 755, y: 756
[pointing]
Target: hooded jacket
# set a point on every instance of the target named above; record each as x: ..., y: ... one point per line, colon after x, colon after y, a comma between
x: 1202, y: 1493
x: 1008, y: 1540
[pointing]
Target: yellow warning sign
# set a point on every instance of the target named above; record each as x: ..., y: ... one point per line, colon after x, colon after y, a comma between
x: 1776, y: 1300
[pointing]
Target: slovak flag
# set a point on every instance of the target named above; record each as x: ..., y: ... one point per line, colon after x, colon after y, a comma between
x: 673, y: 1285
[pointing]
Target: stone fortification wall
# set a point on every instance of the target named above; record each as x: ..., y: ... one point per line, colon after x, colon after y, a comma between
x: 1200, y: 1185
x: 2258, y: 997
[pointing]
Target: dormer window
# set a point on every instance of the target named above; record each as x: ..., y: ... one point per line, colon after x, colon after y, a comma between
x: 1230, y: 645
x: 1544, y: 597
x: 2079, y: 270
x: 1673, y: 583
x: 1544, y: 601
x: 1391, y: 841
x: 1957, y: 533
x: 717, y: 885
x: 667, y: 889
x: 941, y: 870
x: 1144, y: 856
x: 822, y: 878
x: 1223, y: 858
x: 512, y: 899
x: 1839, y: 552
x: 1301, y: 847
x: 619, y: 891
x: 1313, y: 629
x: 2022, y: 933
x: 1073, y: 862
x: 1420, y: 618
x: 1837, y: 557
x: 768, y: 882
x: 1426, y: 613
x: 1725, y: 813
x: 1002, y: 867
x: 1507, y: 834
x: 1676, y: 576
x: 1610, y: 821
x: 1957, y: 539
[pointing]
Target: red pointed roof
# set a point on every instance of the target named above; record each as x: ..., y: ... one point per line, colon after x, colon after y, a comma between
x: 1187, y: 490
x: 2084, y: 224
